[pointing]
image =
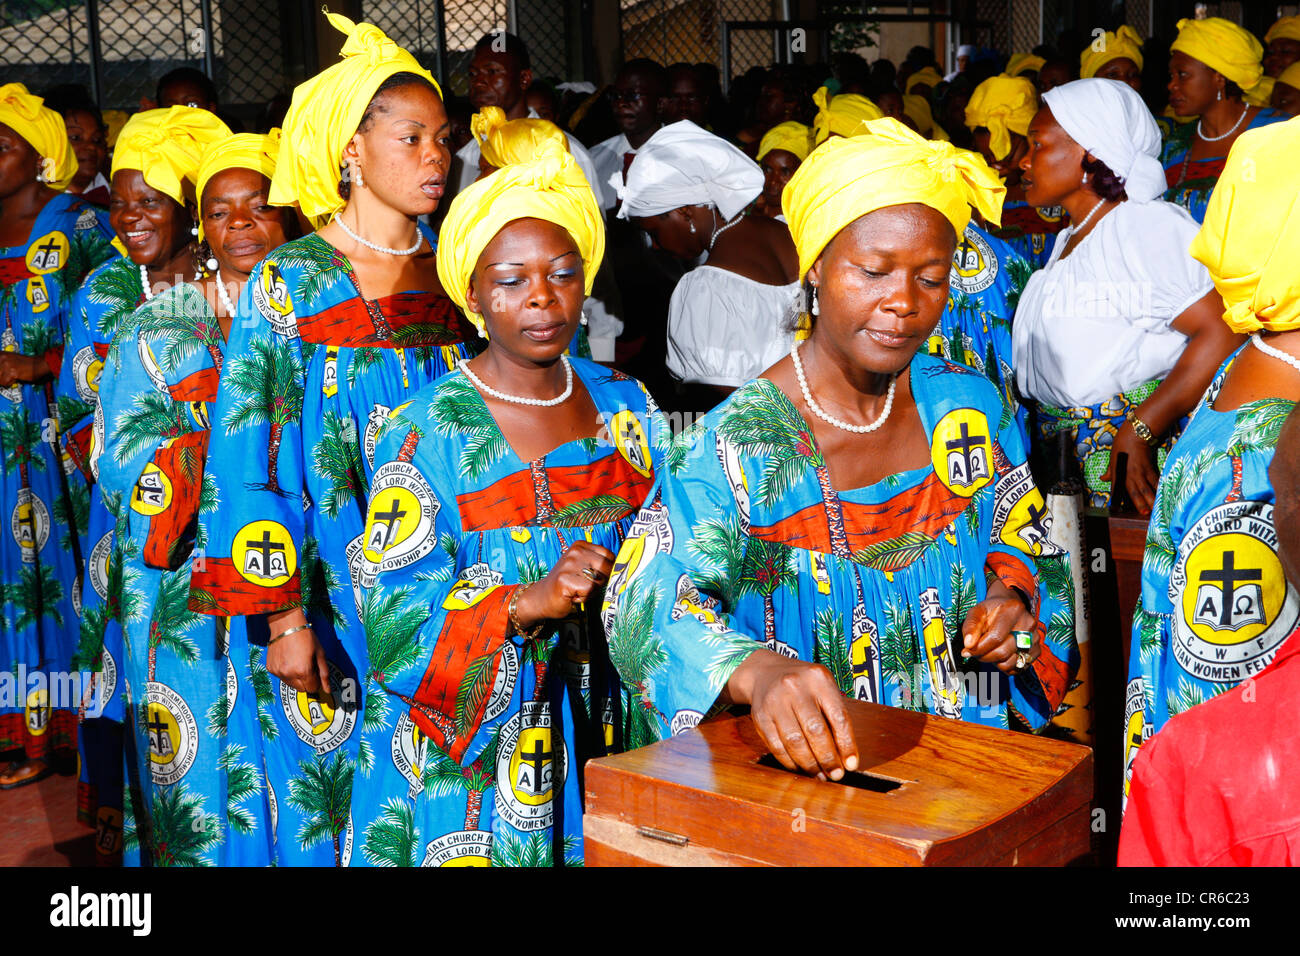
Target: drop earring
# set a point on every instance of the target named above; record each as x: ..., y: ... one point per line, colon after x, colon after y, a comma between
x: 1085, y: 177
x: 584, y: 320
x: 816, y: 308
x: 692, y: 225
x: 1219, y: 95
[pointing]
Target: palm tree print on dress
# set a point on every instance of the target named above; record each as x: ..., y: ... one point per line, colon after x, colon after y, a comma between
x: 323, y: 794
x: 268, y: 389
x: 392, y: 839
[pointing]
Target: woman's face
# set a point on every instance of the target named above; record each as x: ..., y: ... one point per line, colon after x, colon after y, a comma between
x: 152, y: 225
x: 87, y: 139
x: 1282, y: 52
x: 528, y: 286
x: 1051, y: 76
x: 882, y: 284
x: 1193, y: 86
x: 890, y: 103
x: 19, y: 163
x: 241, y: 227
x: 1008, y: 167
x: 671, y: 232
x: 778, y: 166
x: 1122, y: 69
x: 404, y: 151
x: 1051, y: 168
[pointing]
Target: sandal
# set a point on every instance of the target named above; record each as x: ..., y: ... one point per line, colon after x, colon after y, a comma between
x: 31, y: 771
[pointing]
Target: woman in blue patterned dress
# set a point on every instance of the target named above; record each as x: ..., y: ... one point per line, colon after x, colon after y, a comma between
x: 49, y: 240
x: 1215, y: 602
x: 335, y: 330
x: 790, y: 557
x: 500, y: 495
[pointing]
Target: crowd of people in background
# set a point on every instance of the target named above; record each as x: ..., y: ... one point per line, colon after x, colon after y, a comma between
x: 379, y: 467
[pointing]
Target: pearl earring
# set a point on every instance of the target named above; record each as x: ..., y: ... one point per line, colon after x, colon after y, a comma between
x: 212, y: 264
x: 584, y: 320
x: 692, y: 225
x: 1085, y: 177
x: 356, y: 177
x: 816, y: 309
x: 1219, y: 95
x: 194, y: 231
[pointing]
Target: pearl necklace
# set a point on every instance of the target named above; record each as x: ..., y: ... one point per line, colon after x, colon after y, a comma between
x: 718, y: 232
x: 1075, y: 230
x: 224, y: 296
x: 419, y: 239
x: 1275, y: 352
x: 144, y: 281
x: 560, y: 399
x: 830, y: 420
x: 1245, y: 108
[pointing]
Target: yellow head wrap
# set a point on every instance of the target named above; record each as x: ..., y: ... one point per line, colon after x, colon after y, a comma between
x: 550, y: 187
x: 1024, y: 63
x: 927, y: 77
x: 1250, y: 239
x: 1224, y: 47
x: 114, y: 120
x: 1262, y: 93
x: 166, y: 146
x: 241, y: 151
x: 790, y: 136
x: 842, y: 115
x: 1288, y: 28
x: 917, y: 109
x: 325, y: 113
x: 506, y: 142
x: 1124, y: 43
x: 1291, y: 76
x: 1003, y: 105
x: 30, y: 118
x: 887, y: 165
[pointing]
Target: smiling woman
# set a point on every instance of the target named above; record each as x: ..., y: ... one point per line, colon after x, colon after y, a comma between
x: 334, y: 330
x: 859, y: 521
x: 529, y: 467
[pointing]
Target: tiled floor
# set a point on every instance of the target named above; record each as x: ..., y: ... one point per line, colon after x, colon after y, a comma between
x: 38, y: 825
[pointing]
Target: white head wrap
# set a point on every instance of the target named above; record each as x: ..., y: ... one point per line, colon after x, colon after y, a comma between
x: 1108, y: 119
x: 966, y: 49
x: 683, y: 165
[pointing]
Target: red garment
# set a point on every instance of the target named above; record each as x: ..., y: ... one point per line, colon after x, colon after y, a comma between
x: 1220, y: 784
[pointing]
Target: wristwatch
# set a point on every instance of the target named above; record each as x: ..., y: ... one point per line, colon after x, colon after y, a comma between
x: 1140, y: 428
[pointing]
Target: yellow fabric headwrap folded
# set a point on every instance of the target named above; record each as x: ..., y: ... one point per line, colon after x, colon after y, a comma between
x: 841, y: 115
x: 30, y: 118
x: 1288, y: 28
x: 1024, y: 63
x: 1291, y: 76
x: 1124, y: 43
x: 1003, y: 105
x: 927, y: 77
x: 888, y: 165
x: 241, y: 151
x: 791, y: 136
x: 166, y: 145
x: 1250, y: 240
x: 1224, y: 47
x: 325, y: 113
x: 506, y: 142
x: 917, y: 109
x: 550, y: 187
x: 1262, y: 93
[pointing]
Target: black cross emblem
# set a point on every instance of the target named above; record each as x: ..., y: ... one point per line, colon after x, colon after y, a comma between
x: 536, y: 758
x: 267, y: 547
x: 142, y: 488
x: 158, y: 730
x: 390, y: 519
x: 964, y: 444
x: 107, y: 829
x: 1036, y: 516
x: 632, y: 441
x: 48, y: 258
x: 1228, y: 576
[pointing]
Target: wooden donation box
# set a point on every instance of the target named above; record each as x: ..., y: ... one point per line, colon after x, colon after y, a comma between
x: 928, y: 792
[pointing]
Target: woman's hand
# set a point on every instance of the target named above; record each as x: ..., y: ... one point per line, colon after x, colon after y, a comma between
x: 986, y: 632
x: 1142, y: 477
x: 579, y: 572
x: 798, y: 711
x: 19, y: 369
x: 298, y: 659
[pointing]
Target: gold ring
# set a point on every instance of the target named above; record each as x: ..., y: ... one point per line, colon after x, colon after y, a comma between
x: 1023, y: 660
x: 589, y: 574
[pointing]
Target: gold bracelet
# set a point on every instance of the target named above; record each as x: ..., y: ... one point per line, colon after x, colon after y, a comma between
x: 285, y: 633
x: 514, y: 619
x: 1141, y: 430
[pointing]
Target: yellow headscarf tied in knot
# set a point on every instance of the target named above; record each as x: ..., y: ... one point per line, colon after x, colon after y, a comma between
x: 30, y: 118
x: 841, y: 115
x: 1288, y: 28
x: 1291, y: 76
x: 888, y: 165
x: 927, y: 77
x: 1124, y: 43
x: 241, y: 151
x: 1250, y: 239
x: 550, y: 187
x: 1003, y: 105
x: 325, y: 113
x: 1024, y: 63
x: 507, y: 142
x: 1224, y: 47
x: 791, y: 136
x: 167, y: 145
x: 917, y: 109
